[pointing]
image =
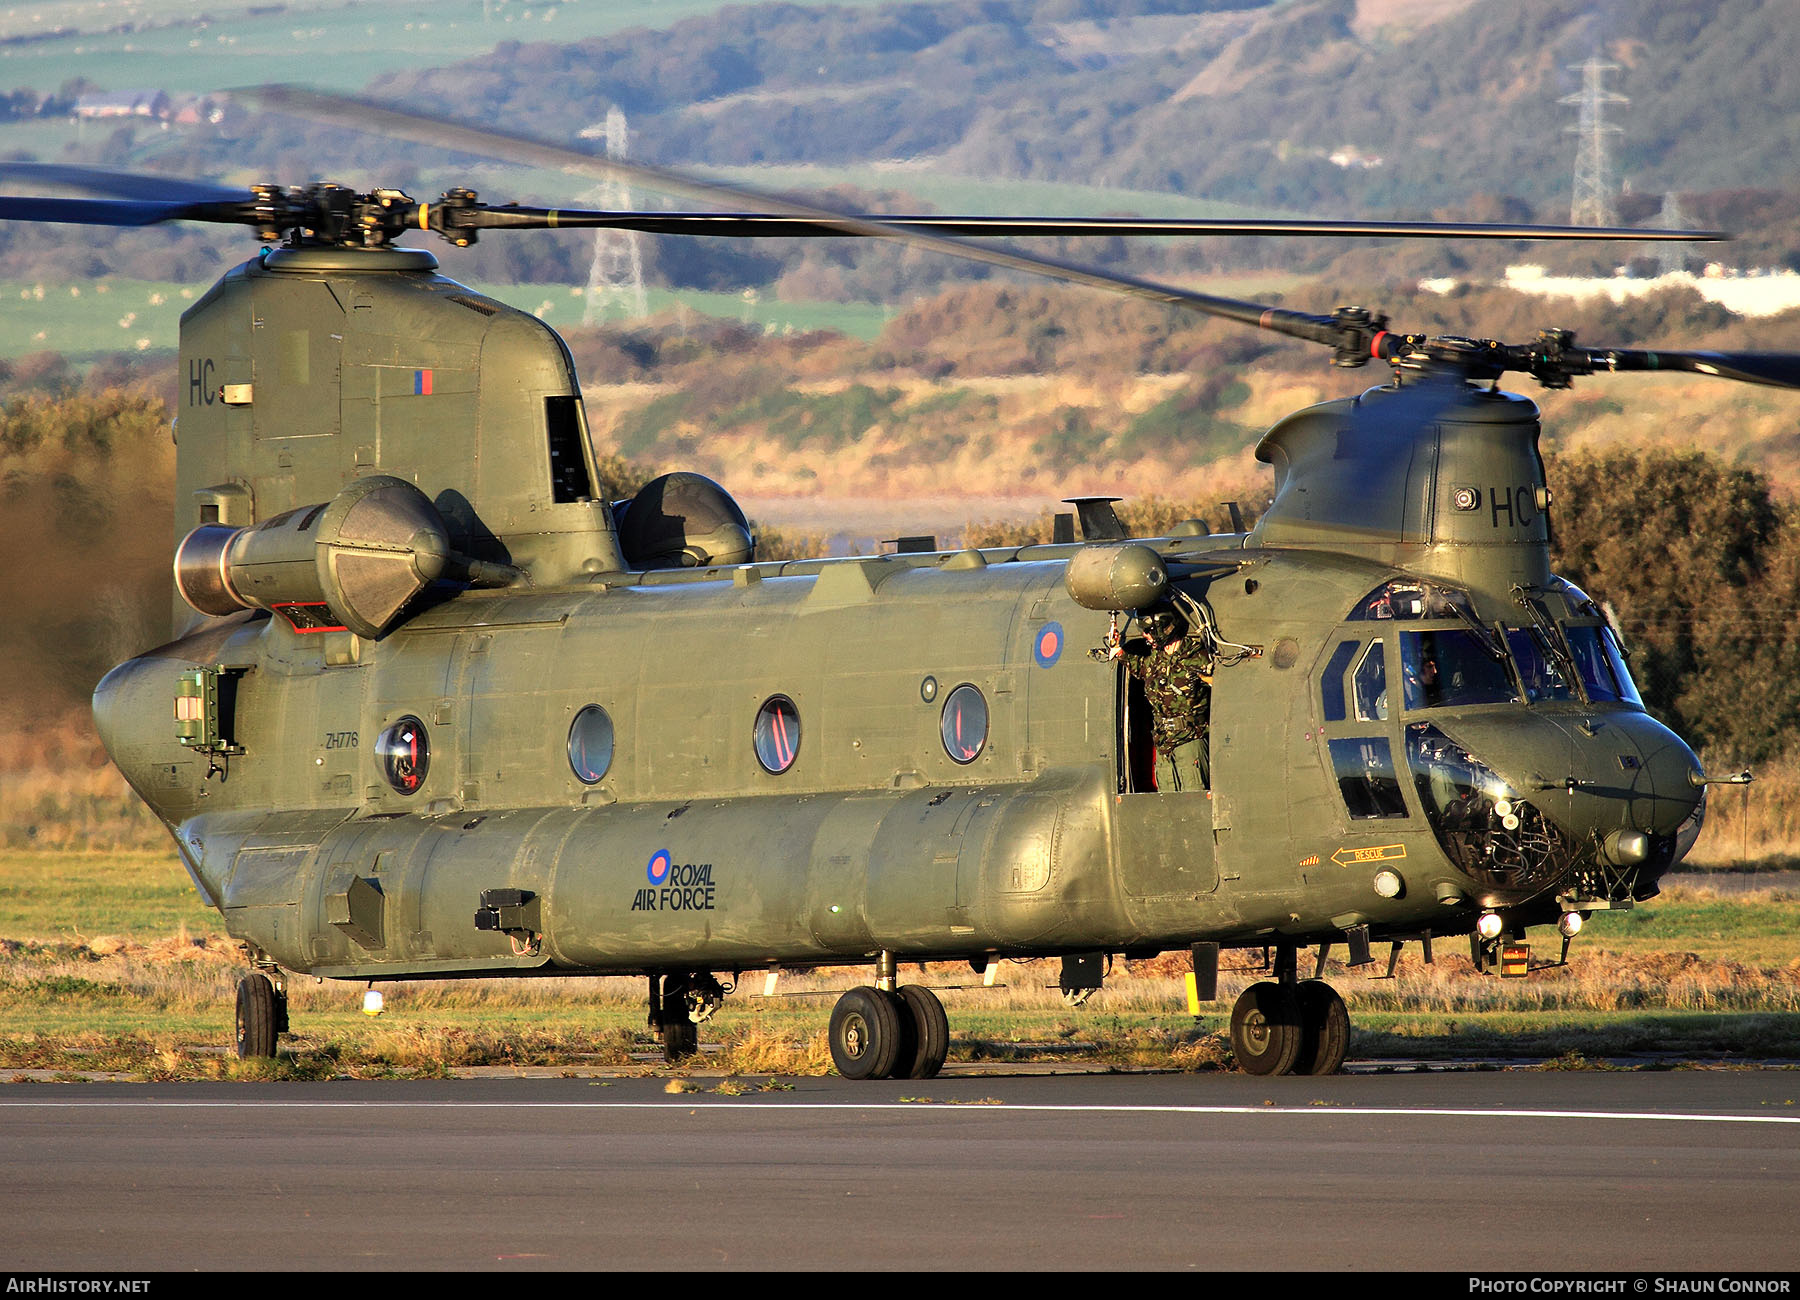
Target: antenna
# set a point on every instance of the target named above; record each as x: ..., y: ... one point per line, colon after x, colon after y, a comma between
x: 1592, y: 205
x: 616, y: 274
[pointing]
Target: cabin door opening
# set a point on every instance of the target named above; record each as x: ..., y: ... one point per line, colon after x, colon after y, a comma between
x: 1136, y: 741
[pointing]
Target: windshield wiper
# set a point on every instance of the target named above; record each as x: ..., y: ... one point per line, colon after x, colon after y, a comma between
x: 1550, y: 634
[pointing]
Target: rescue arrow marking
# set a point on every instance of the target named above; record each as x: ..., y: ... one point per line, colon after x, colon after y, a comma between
x: 1378, y: 853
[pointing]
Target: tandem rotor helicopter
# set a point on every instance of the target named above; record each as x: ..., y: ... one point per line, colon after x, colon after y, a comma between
x: 435, y: 710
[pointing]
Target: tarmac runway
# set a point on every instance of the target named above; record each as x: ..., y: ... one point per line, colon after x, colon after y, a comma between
x: 1509, y: 1171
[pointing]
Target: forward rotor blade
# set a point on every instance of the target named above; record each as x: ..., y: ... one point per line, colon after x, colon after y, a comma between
x: 113, y: 212
x: 1350, y: 336
x: 761, y: 225
x: 104, y: 183
x: 362, y: 115
x: 1776, y: 369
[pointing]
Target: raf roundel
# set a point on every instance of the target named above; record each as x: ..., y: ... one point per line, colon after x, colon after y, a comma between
x: 658, y: 870
x: 1047, y: 649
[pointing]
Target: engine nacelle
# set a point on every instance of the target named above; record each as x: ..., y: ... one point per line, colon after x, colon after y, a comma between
x: 353, y: 562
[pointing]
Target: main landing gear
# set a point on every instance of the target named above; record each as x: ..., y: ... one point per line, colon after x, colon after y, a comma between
x: 1278, y: 1027
x: 882, y: 1034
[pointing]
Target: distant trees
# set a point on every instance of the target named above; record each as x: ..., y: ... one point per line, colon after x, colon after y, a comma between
x: 85, y: 484
x: 1702, y: 565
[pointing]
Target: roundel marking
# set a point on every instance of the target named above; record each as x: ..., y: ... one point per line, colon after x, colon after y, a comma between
x: 658, y: 870
x: 1048, y: 647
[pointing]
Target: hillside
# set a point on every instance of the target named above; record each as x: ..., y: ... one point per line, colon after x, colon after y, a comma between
x: 1000, y: 391
x: 1446, y: 109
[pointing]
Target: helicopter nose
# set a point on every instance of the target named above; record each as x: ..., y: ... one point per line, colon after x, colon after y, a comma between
x: 1630, y: 778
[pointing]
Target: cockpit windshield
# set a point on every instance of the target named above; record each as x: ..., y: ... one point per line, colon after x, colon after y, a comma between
x: 1550, y: 661
x: 1602, y: 667
x: 1539, y: 671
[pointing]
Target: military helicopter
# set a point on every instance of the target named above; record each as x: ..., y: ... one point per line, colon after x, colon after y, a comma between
x: 436, y: 710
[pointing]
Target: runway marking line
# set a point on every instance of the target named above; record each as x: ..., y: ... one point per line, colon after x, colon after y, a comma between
x: 691, y: 1102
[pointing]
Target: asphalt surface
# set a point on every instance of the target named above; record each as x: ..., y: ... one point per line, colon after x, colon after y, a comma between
x: 1450, y: 1171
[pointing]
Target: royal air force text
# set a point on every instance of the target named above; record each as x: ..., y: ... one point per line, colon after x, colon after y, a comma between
x: 689, y: 888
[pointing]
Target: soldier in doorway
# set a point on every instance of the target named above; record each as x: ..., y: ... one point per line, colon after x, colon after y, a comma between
x: 1176, y: 667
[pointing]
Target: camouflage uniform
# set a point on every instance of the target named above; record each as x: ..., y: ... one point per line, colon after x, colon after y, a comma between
x: 1179, y: 689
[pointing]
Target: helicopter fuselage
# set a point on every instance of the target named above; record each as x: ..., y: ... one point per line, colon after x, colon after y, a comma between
x: 961, y: 779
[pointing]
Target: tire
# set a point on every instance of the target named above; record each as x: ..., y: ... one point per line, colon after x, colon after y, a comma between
x: 1265, y: 1029
x: 681, y: 1036
x: 928, y: 1043
x: 1324, y: 1029
x: 865, y: 1034
x: 259, y: 1017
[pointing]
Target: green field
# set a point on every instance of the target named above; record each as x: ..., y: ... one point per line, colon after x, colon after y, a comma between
x: 89, y: 318
x: 332, y: 44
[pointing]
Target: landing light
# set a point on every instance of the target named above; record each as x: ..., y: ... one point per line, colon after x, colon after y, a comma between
x: 1570, y: 924
x: 1489, y: 925
x: 373, y: 1002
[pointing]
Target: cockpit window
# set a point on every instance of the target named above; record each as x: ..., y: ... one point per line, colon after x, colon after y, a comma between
x: 1371, y: 686
x: 1365, y: 775
x: 1601, y: 666
x: 1331, y: 686
x: 1410, y: 600
x: 1449, y: 668
x: 1538, y: 670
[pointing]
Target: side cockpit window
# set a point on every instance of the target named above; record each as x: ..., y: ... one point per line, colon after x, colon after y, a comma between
x: 1601, y: 666
x: 1451, y: 668
x: 1370, y: 684
x: 1331, y: 685
x: 1364, y: 767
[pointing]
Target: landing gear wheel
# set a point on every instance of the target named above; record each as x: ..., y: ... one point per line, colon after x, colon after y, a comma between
x: 1324, y: 1029
x: 927, y: 1041
x: 261, y: 1015
x: 865, y: 1034
x: 681, y: 1036
x: 1265, y: 1029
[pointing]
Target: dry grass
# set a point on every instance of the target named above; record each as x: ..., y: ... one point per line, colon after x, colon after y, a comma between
x: 163, y: 1010
x: 59, y: 791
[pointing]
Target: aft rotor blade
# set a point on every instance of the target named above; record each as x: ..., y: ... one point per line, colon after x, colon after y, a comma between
x: 363, y: 115
x: 1777, y: 369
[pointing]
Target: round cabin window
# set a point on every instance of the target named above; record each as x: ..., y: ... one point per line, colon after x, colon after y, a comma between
x: 777, y: 734
x: 404, y: 752
x: 590, y: 744
x: 965, y: 724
